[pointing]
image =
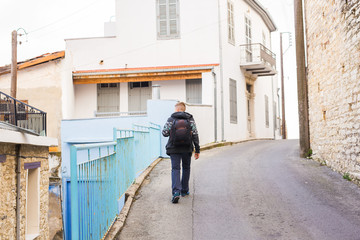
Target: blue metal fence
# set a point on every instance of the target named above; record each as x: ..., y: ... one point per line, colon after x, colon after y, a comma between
x: 102, y: 172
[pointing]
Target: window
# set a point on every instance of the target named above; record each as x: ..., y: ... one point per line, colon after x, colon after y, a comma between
x: 264, y: 38
x: 248, y: 39
x: 108, y: 97
x: 32, y: 202
x: 139, y: 84
x: 233, y: 102
x: 266, y: 111
x: 194, y: 91
x: 168, y: 23
x: 231, y: 35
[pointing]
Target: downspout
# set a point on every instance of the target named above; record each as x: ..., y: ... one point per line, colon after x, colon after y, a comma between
x: 221, y: 75
x: 215, y: 105
x: 18, y: 194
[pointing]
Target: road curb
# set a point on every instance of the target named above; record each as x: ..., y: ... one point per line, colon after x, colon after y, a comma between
x: 222, y: 144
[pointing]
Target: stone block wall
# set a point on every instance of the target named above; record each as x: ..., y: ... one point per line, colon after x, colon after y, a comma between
x: 333, y: 57
x: 29, y: 154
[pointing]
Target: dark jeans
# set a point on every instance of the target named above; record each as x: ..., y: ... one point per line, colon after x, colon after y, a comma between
x: 177, y: 185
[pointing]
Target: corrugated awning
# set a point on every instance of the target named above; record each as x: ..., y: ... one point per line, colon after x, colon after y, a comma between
x: 141, y: 74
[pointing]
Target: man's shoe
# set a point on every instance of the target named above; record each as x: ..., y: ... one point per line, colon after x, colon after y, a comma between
x: 185, y: 194
x: 175, y: 198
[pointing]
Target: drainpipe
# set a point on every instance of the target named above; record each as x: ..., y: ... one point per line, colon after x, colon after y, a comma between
x: 215, y: 105
x: 156, y: 92
x: 18, y: 196
x: 221, y: 75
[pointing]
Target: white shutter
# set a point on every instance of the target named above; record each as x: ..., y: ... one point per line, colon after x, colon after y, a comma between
x: 162, y: 18
x: 139, y: 93
x: 172, y: 18
x: 194, y: 91
x: 168, y: 18
x: 108, y: 97
x: 233, y: 101
x: 230, y: 20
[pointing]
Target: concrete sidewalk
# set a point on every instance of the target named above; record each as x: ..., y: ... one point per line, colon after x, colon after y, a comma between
x: 152, y: 215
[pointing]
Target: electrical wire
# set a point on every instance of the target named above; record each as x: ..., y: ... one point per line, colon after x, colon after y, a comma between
x: 63, y: 18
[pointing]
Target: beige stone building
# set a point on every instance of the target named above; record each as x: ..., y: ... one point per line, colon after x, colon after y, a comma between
x: 333, y: 68
x: 31, y: 211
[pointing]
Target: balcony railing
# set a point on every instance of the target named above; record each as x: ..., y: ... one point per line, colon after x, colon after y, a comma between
x: 257, y: 60
x: 22, y: 115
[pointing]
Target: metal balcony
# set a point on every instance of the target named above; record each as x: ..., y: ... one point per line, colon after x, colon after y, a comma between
x: 22, y: 115
x: 257, y: 60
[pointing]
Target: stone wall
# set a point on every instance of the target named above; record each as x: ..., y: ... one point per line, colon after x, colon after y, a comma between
x: 333, y: 51
x: 7, y: 192
x: 28, y: 154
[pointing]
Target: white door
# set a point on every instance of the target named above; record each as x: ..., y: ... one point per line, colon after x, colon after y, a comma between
x: 139, y: 93
x: 108, y: 97
x: 250, y: 109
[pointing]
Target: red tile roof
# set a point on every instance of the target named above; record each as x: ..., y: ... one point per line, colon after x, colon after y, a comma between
x: 47, y: 57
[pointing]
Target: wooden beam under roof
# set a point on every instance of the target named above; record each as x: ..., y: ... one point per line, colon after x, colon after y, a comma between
x: 114, y: 77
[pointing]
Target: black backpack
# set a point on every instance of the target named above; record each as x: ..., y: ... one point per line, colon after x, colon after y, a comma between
x: 181, y: 132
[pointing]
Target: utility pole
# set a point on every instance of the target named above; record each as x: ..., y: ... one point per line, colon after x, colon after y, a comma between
x: 283, y: 123
x: 301, y: 80
x: 14, y: 64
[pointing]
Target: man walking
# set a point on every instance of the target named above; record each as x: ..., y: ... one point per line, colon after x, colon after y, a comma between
x: 183, y: 134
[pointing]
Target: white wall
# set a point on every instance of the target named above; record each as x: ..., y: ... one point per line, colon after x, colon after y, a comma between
x: 172, y: 90
x: 85, y: 100
x: 140, y: 48
x: 204, y: 119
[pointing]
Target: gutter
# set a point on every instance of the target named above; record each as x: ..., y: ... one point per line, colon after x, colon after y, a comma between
x: 215, y: 106
x: 221, y: 75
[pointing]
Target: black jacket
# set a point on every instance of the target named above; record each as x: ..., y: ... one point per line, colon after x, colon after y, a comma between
x: 170, y: 148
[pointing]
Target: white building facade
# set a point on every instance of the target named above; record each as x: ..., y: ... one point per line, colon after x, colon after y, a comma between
x: 212, y: 54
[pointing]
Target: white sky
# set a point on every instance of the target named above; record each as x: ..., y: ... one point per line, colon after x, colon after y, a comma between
x: 49, y: 22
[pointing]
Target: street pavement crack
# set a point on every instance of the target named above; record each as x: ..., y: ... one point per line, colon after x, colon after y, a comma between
x: 192, y: 210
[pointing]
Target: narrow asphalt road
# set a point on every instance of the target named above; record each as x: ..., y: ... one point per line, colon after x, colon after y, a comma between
x: 254, y: 190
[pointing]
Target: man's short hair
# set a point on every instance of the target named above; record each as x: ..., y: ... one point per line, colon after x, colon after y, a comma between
x: 181, y: 106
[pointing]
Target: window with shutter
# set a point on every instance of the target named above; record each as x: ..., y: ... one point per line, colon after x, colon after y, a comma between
x: 230, y: 18
x: 108, y: 97
x: 248, y: 39
x: 168, y: 19
x: 233, y: 101
x: 194, y: 91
